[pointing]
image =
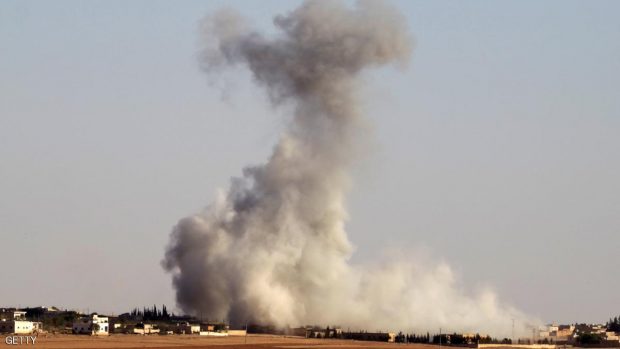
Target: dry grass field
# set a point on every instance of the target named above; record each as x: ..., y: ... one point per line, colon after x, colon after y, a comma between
x: 195, y: 342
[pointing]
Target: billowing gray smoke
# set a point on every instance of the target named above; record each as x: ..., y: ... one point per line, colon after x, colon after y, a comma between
x: 273, y: 249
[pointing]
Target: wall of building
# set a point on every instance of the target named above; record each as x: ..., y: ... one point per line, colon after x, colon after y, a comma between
x: 17, y: 327
x: 95, y: 325
x: 237, y: 332
x: 214, y: 334
x: 529, y: 346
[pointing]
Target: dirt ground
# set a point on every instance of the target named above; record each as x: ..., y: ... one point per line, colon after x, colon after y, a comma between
x: 196, y: 342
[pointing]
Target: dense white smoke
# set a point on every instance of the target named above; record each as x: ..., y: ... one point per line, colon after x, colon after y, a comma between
x: 273, y: 249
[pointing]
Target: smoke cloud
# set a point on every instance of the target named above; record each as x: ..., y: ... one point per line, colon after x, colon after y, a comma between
x: 273, y: 248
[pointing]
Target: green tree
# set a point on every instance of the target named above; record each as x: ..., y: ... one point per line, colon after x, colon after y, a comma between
x: 589, y: 338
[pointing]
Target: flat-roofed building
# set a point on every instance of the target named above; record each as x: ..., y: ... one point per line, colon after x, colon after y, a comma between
x: 143, y: 328
x: 93, y: 325
x: 187, y: 328
x: 17, y: 326
x: 12, y: 314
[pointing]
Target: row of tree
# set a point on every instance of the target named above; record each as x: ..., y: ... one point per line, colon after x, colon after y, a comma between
x: 452, y: 339
x: 614, y: 324
x: 151, y: 314
x: 412, y: 338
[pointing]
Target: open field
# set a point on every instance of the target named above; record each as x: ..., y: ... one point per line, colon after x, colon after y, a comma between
x: 195, y: 342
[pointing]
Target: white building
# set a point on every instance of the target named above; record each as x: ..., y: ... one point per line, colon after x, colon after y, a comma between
x: 612, y: 336
x: 238, y: 332
x: 187, y: 328
x: 214, y: 334
x: 145, y: 329
x: 12, y: 314
x: 17, y: 326
x: 94, y: 325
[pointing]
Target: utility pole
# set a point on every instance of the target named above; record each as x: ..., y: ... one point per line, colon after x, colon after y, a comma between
x: 513, y: 330
x: 245, y: 340
x: 440, y: 337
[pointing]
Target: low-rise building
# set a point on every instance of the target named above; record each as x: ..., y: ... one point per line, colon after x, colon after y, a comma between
x: 12, y: 314
x: 143, y: 328
x: 213, y: 334
x: 214, y: 327
x: 187, y: 328
x: 93, y: 325
x: 335, y: 332
x: 565, y: 331
x: 612, y: 336
x: 17, y: 326
x: 237, y: 332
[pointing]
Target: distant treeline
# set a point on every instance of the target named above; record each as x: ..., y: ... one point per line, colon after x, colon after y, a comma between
x: 149, y: 314
x: 452, y: 339
x: 614, y: 324
x: 455, y: 339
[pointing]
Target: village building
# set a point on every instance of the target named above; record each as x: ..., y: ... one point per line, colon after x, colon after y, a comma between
x: 143, y: 328
x: 187, y: 328
x: 237, y: 332
x: 612, y: 336
x: 12, y: 314
x: 93, y: 325
x: 18, y: 326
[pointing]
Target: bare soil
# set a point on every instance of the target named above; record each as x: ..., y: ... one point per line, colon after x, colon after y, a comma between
x: 197, y: 342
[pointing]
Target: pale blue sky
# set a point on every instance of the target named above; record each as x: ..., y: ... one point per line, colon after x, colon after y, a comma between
x: 497, y: 150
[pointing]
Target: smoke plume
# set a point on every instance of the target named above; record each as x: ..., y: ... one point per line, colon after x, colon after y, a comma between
x: 273, y: 249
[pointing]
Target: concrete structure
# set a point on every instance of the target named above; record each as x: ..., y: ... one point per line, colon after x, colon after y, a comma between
x: 214, y: 334
x: 612, y: 336
x: 237, y: 332
x: 142, y: 328
x: 12, y: 314
x: 37, y: 327
x: 525, y: 346
x: 214, y: 327
x: 187, y: 328
x: 569, y: 334
x: 217, y: 329
x: 93, y: 325
x: 333, y: 332
x: 17, y: 327
x: 116, y: 327
x: 556, y: 333
x: 565, y: 331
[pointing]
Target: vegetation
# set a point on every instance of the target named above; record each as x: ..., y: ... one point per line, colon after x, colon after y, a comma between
x: 151, y: 314
x: 614, y: 324
x: 58, y: 320
x: 412, y: 338
x: 589, y: 338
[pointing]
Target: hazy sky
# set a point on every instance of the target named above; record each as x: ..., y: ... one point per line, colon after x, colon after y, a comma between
x: 497, y: 150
